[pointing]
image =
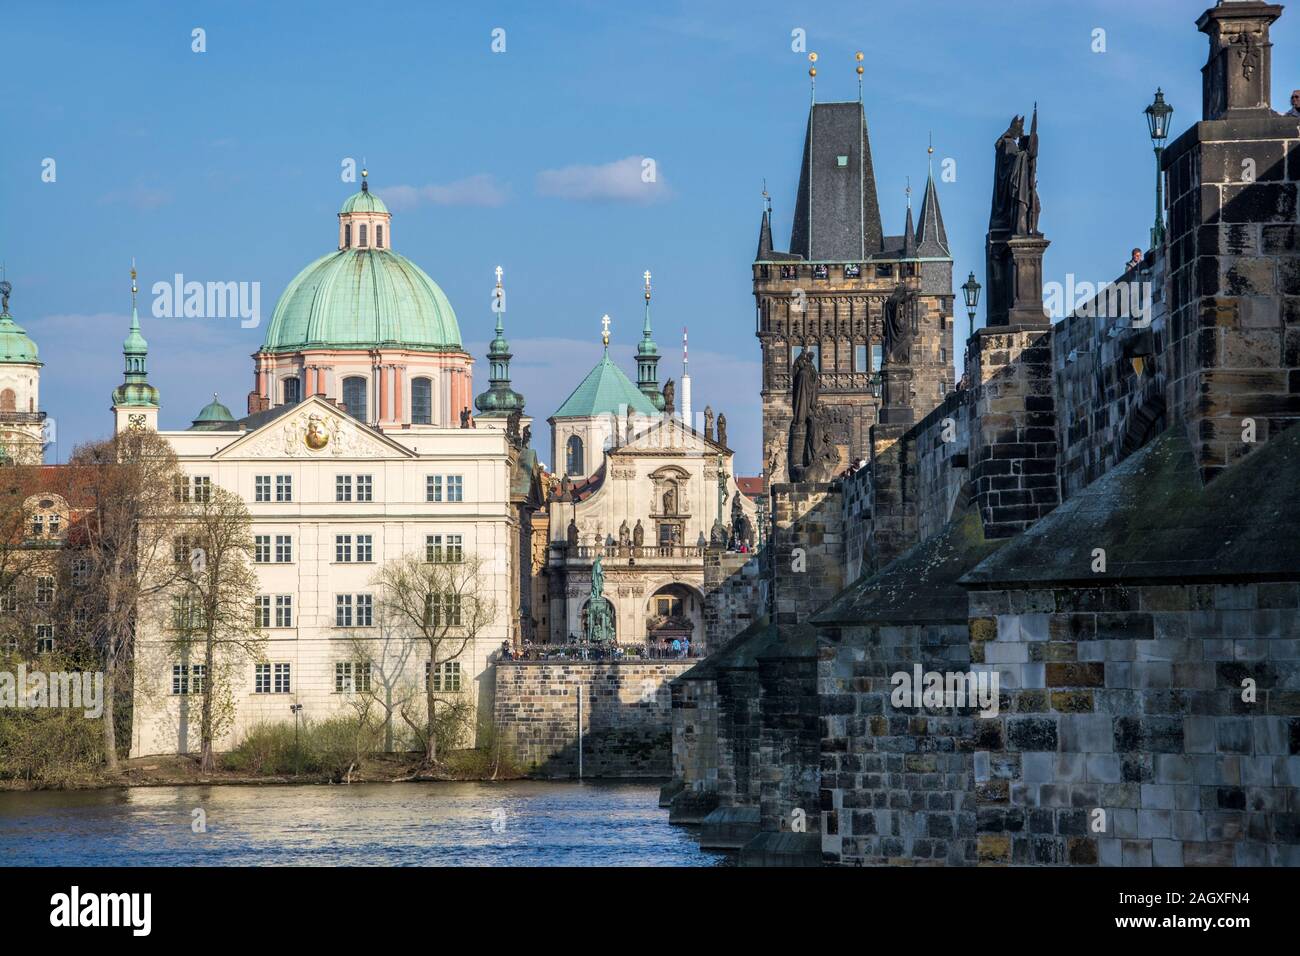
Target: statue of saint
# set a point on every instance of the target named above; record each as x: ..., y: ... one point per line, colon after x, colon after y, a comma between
x: 708, y: 422
x: 638, y: 534
x: 722, y: 430
x: 670, y: 395
x: 1015, y: 179
x: 512, y: 425
x: 805, y: 430
x: 572, y: 533
x: 624, y: 535
x: 670, y: 501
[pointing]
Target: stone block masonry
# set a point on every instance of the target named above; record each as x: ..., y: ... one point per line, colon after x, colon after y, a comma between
x: 626, y: 721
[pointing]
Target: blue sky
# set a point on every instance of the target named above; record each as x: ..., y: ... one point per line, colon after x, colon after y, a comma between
x: 225, y: 165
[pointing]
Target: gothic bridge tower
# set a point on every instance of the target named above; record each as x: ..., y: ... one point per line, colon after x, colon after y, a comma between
x: 842, y: 285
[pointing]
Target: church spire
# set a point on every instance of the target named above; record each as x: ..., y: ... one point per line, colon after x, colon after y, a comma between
x: 647, y: 357
x: 765, y: 229
x: 500, y: 399
x: 909, y: 232
x: 135, y: 398
x: 932, y: 239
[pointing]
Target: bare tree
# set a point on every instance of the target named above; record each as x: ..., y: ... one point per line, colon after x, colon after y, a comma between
x: 210, y: 610
x: 120, y: 552
x: 382, y: 679
x: 444, y: 606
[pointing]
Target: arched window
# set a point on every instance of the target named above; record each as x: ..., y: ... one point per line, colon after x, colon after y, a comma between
x: 363, y: 235
x: 573, y: 464
x: 8, y: 401
x: 421, y: 401
x: 354, y: 387
x: 292, y: 391
x: 347, y: 236
x: 379, y: 237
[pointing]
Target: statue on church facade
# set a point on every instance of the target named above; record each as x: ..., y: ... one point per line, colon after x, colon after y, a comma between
x: 722, y: 429
x: 670, y: 396
x: 572, y: 534
x: 708, y: 422
x: 638, y: 534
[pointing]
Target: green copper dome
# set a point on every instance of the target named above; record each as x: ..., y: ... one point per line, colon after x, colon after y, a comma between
x: 213, y: 417
x: 15, y: 346
x: 363, y: 299
x: 363, y: 201
x: 605, y: 390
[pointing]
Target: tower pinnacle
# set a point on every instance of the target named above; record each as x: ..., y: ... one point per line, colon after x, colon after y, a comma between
x: 647, y: 356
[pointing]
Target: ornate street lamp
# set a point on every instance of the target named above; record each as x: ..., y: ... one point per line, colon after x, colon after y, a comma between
x: 971, y: 290
x: 1158, y: 114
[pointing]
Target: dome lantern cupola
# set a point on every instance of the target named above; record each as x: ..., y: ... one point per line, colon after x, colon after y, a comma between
x: 647, y: 357
x: 364, y: 220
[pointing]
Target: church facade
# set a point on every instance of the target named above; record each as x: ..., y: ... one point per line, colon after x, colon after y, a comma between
x: 352, y: 454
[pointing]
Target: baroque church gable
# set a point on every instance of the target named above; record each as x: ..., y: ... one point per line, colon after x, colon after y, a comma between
x: 669, y: 437
x: 314, y: 429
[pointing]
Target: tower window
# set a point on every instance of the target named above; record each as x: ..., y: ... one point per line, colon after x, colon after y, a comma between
x: 841, y: 160
x: 363, y: 235
x: 859, y: 358
x: 379, y: 237
x: 8, y: 402
x: 421, y: 401
x: 292, y: 390
x: 877, y: 356
x: 354, y: 387
x: 573, y: 459
x: 347, y: 236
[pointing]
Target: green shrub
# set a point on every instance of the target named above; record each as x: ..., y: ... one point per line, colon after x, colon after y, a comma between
x: 50, y: 748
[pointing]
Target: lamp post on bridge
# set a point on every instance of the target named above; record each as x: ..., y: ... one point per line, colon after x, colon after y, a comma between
x: 1158, y: 114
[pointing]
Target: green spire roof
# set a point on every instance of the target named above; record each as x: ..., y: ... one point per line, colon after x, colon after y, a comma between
x: 500, y: 399
x: 135, y: 390
x: 605, y: 390
x: 213, y: 417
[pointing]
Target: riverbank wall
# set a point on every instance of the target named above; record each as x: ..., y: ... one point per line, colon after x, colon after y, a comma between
x: 626, y: 719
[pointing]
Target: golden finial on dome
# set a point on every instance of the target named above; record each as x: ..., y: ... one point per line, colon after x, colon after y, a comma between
x: 858, y: 56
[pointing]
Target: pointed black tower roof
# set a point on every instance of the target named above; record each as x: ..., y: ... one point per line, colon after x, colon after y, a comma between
x: 836, y: 214
x: 765, y: 237
x: 909, y: 231
x: 933, y: 239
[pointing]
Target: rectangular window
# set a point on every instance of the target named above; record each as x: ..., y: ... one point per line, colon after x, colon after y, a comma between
x: 343, y: 548
x: 455, y: 488
x: 365, y: 488
x: 188, y: 678
x: 365, y: 548
x: 342, y: 487
x: 261, y: 549
x: 877, y: 356
x: 271, y: 679
x: 343, y: 610
x: 44, y: 638
x: 45, y: 590
x: 446, y: 676
x: 440, y: 547
x: 283, y: 548
x: 9, y: 599
x: 433, y: 488
x: 38, y: 525
x: 284, y: 610
x: 181, y: 488
x: 365, y: 610
x: 284, y: 487
x: 54, y: 524
x: 446, y: 609
x: 202, y: 488
x: 860, y: 358
x: 81, y: 571
x: 351, y: 677
x: 262, y: 611
x: 262, y: 488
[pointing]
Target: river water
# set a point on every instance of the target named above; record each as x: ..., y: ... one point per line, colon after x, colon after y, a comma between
x: 516, y: 823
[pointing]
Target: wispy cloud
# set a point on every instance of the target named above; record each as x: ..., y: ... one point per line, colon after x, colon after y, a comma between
x: 631, y: 179
x: 482, y: 189
x: 139, y: 197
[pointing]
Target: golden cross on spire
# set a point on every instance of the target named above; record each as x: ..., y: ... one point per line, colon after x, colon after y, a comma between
x: 498, y: 277
x: 646, y: 276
